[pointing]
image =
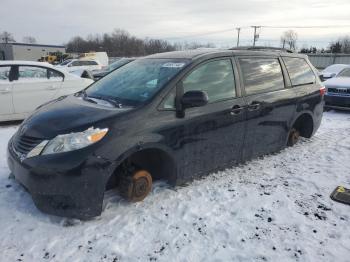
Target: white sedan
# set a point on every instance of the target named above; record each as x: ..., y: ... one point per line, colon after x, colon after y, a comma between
x: 73, y: 65
x: 332, y: 71
x: 25, y: 85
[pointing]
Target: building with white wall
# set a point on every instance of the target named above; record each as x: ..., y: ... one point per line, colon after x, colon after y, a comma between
x: 28, y: 52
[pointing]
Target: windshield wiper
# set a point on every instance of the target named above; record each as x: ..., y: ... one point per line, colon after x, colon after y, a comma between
x: 110, y: 100
x: 114, y: 102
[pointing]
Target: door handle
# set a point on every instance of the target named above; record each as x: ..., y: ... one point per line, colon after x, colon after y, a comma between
x: 5, y: 91
x: 236, y: 110
x: 254, y: 106
x: 51, y: 88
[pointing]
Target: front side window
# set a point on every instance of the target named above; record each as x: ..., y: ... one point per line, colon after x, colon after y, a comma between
x: 261, y: 75
x: 4, y: 74
x: 300, y: 72
x: 32, y: 73
x: 138, y: 81
x: 344, y: 73
x: 215, y: 78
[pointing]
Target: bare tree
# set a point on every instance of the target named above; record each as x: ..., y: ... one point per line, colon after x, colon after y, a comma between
x: 342, y: 45
x: 29, y: 40
x: 289, y: 39
x: 6, y: 37
x: 118, y: 43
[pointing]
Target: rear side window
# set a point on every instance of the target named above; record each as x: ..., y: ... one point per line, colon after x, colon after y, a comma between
x: 215, y: 78
x: 300, y: 72
x: 91, y: 62
x: 261, y: 75
x: 4, y: 74
x: 76, y: 63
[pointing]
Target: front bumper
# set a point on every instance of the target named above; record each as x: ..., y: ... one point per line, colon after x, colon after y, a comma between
x: 337, y: 101
x: 68, y: 184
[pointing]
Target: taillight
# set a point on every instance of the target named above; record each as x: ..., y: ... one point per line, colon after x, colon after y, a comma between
x: 322, y: 90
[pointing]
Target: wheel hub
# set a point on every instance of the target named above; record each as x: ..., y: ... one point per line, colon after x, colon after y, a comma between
x: 141, y: 186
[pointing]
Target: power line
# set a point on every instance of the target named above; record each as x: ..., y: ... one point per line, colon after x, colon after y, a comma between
x: 261, y: 26
x: 306, y: 27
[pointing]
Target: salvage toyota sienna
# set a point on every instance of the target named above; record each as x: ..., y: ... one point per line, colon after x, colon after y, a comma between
x: 172, y: 116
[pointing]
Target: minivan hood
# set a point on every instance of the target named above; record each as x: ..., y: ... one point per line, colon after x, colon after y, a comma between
x: 66, y: 115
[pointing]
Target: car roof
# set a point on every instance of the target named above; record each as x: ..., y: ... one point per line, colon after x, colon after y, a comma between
x: 19, y: 62
x: 197, y: 53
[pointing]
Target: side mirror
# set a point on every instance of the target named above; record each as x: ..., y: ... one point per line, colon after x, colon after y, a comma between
x: 194, y: 98
x: 322, y: 78
x: 87, y: 74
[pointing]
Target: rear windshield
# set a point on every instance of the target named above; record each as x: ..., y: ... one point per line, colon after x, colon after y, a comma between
x: 138, y: 81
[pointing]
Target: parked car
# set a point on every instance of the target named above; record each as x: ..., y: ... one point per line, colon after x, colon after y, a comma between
x: 172, y: 116
x: 115, y: 65
x: 101, y: 57
x: 332, y: 71
x: 72, y: 65
x: 26, y: 85
x: 338, y: 91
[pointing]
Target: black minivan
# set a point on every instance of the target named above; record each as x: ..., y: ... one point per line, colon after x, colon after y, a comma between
x: 173, y: 116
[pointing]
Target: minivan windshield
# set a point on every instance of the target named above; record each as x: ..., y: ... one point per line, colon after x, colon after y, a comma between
x: 118, y: 64
x: 136, y: 82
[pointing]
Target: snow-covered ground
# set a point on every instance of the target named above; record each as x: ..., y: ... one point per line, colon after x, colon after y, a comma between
x: 272, y: 209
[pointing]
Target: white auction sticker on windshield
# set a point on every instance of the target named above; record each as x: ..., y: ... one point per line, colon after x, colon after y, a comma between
x: 173, y: 65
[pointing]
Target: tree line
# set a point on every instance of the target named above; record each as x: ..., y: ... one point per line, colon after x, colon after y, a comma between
x: 121, y: 43
x: 340, y: 46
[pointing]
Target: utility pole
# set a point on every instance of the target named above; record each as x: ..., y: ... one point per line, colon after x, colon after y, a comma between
x: 238, y: 32
x: 256, y: 35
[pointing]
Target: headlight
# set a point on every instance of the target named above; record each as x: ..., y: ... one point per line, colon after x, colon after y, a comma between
x: 69, y: 142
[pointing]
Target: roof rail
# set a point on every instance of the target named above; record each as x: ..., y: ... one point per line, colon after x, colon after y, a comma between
x: 260, y: 48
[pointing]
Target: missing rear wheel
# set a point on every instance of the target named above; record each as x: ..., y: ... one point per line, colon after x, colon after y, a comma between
x: 294, y: 136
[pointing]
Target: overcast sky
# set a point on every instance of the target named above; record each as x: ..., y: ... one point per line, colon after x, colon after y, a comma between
x: 55, y: 22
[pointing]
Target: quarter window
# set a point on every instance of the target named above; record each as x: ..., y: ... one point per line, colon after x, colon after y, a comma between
x: 4, y: 73
x: 261, y: 75
x: 215, y: 78
x: 54, y: 75
x: 300, y: 72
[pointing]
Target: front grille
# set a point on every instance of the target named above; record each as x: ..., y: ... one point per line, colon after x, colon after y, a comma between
x: 339, y: 90
x: 24, y: 144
